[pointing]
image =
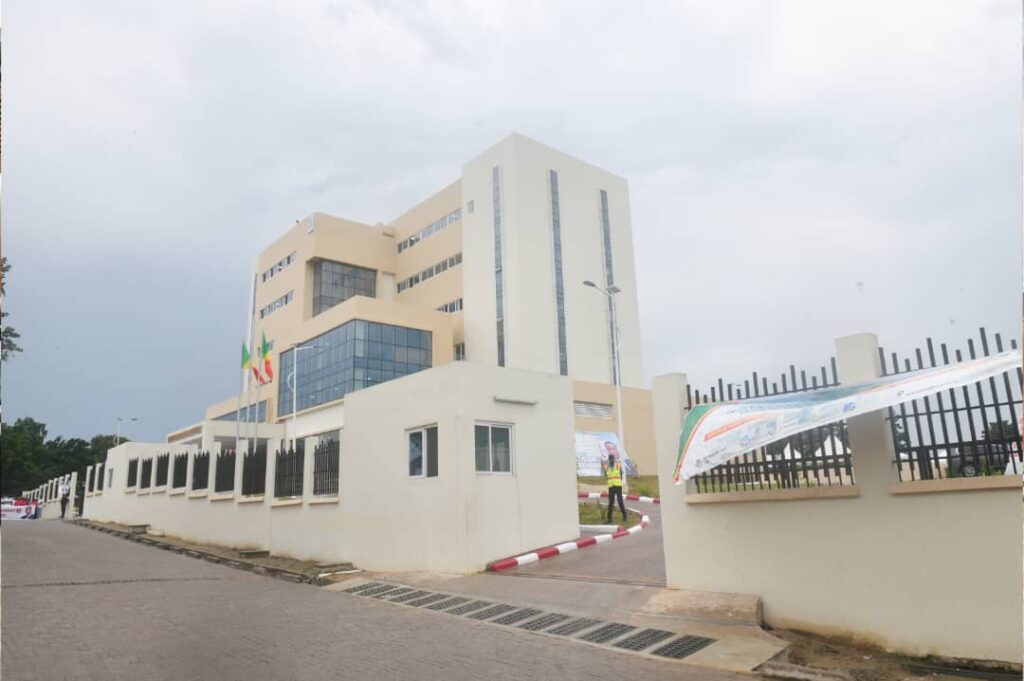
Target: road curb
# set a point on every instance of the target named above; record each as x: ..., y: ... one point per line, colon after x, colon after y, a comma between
x: 238, y: 564
x: 628, y: 497
x: 566, y: 547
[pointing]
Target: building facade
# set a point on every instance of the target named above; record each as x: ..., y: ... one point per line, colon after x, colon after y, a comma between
x: 489, y: 270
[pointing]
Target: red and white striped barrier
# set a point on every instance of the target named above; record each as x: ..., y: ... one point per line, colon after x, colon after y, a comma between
x: 567, y: 547
x: 630, y: 497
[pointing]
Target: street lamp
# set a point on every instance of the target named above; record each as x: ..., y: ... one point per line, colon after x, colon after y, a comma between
x: 609, y: 293
x: 293, y: 382
x: 120, y: 420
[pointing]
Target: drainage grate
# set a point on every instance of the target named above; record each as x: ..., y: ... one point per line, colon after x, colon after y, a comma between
x: 361, y: 587
x: 492, y: 611
x: 379, y: 589
x: 518, y: 616
x: 644, y: 639
x: 468, y: 607
x: 409, y: 596
x: 682, y: 647
x: 457, y: 600
x: 544, y: 622
x: 607, y: 633
x: 391, y: 592
x: 426, y: 600
x: 574, y: 627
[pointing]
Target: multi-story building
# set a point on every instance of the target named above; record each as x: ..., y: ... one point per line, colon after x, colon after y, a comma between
x: 489, y: 270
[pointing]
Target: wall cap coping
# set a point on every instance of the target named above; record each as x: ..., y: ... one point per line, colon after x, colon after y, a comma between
x: 798, y: 494
x: 222, y: 496
x: 988, y: 482
x: 159, y: 490
x: 141, y: 492
x: 277, y: 503
x: 130, y: 490
x: 324, y: 500
x: 252, y: 499
x: 174, y: 492
x: 197, y: 494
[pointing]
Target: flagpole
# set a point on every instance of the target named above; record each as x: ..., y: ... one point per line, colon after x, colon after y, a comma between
x: 252, y: 335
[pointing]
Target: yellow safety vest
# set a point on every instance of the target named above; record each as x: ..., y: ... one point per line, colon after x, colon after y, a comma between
x: 615, y: 476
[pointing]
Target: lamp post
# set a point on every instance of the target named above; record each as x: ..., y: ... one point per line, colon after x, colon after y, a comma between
x: 120, y: 420
x: 293, y: 381
x: 609, y: 293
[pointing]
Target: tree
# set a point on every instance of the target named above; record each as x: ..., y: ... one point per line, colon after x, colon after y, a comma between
x: 8, y: 335
x: 28, y: 459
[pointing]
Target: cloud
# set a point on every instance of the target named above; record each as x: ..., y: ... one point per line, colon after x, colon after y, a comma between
x: 798, y: 171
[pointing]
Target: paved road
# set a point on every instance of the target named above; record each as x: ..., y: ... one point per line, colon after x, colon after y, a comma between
x: 637, y: 559
x: 78, y: 604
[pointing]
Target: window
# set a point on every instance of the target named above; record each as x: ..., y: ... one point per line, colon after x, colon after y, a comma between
x: 336, y: 282
x: 609, y: 280
x: 592, y: 410
x: 247, y: 414
x: 436, y: 268
x: 493, y: 448
x: 499, y: 277
x: 280, y: 302
x: 279, y: 265
x: 350, y: 357
x: 460, y: 352
x: 429, y: 230
x: 423, y: 452
x: 556, y: 236
x: 454, y: 306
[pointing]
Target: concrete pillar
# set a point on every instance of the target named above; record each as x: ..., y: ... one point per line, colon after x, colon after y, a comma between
x: 268, y: 485
x: 73, y: 484
x: 870, y: 436
x: 669, y: 401
x: 307, y: 467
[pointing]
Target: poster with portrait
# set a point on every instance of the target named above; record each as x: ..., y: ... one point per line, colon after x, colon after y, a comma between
x: 594, y: 447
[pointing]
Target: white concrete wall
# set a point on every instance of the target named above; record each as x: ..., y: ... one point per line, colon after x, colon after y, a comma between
x: 531, y: 338
x: 936, y: 573
x: 382, y: 519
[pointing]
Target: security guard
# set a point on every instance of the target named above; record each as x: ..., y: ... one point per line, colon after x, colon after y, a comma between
x: 613, y: 470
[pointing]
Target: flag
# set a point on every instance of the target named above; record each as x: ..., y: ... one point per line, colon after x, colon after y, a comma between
x: 248, y: 364
x: 268, y: 369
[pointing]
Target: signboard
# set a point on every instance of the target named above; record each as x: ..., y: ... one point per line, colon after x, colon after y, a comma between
x: 714, y: 433
x: 12, y: 510
x: 593, y: 447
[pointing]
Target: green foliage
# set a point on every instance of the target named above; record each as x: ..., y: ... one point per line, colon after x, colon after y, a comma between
x: 28, y: 459
x: 8, y: 335
x: 592, y: 514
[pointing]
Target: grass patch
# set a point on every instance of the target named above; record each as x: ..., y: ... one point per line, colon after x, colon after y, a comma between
x: 643, y: 485
x: 592, y: 514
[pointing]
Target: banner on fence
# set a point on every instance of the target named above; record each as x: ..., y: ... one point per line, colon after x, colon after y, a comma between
x: 715, y: 433
x: 594, y: 447
x: 18, y: 509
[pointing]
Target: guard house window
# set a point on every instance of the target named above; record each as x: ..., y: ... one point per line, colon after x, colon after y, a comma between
x: 493, y: 448
x: 423, y: 452
x: 336, y: 282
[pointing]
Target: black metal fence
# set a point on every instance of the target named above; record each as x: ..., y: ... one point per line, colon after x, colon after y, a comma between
x: 201, y: 470
x: 133, y: 472
x: 146, y: 477
x: 180, y: 475
x: 163, y: 463
x: 254, y: 472
x: 820, y: 457
x: 100, y: 474
x: 90, y: 484
x: 964, y: 432
x: 288, y: 474
x: 224, y: 477
x: 325, y: 468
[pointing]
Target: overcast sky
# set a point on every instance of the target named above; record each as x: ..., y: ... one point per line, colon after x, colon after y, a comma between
x: 798, y: 170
